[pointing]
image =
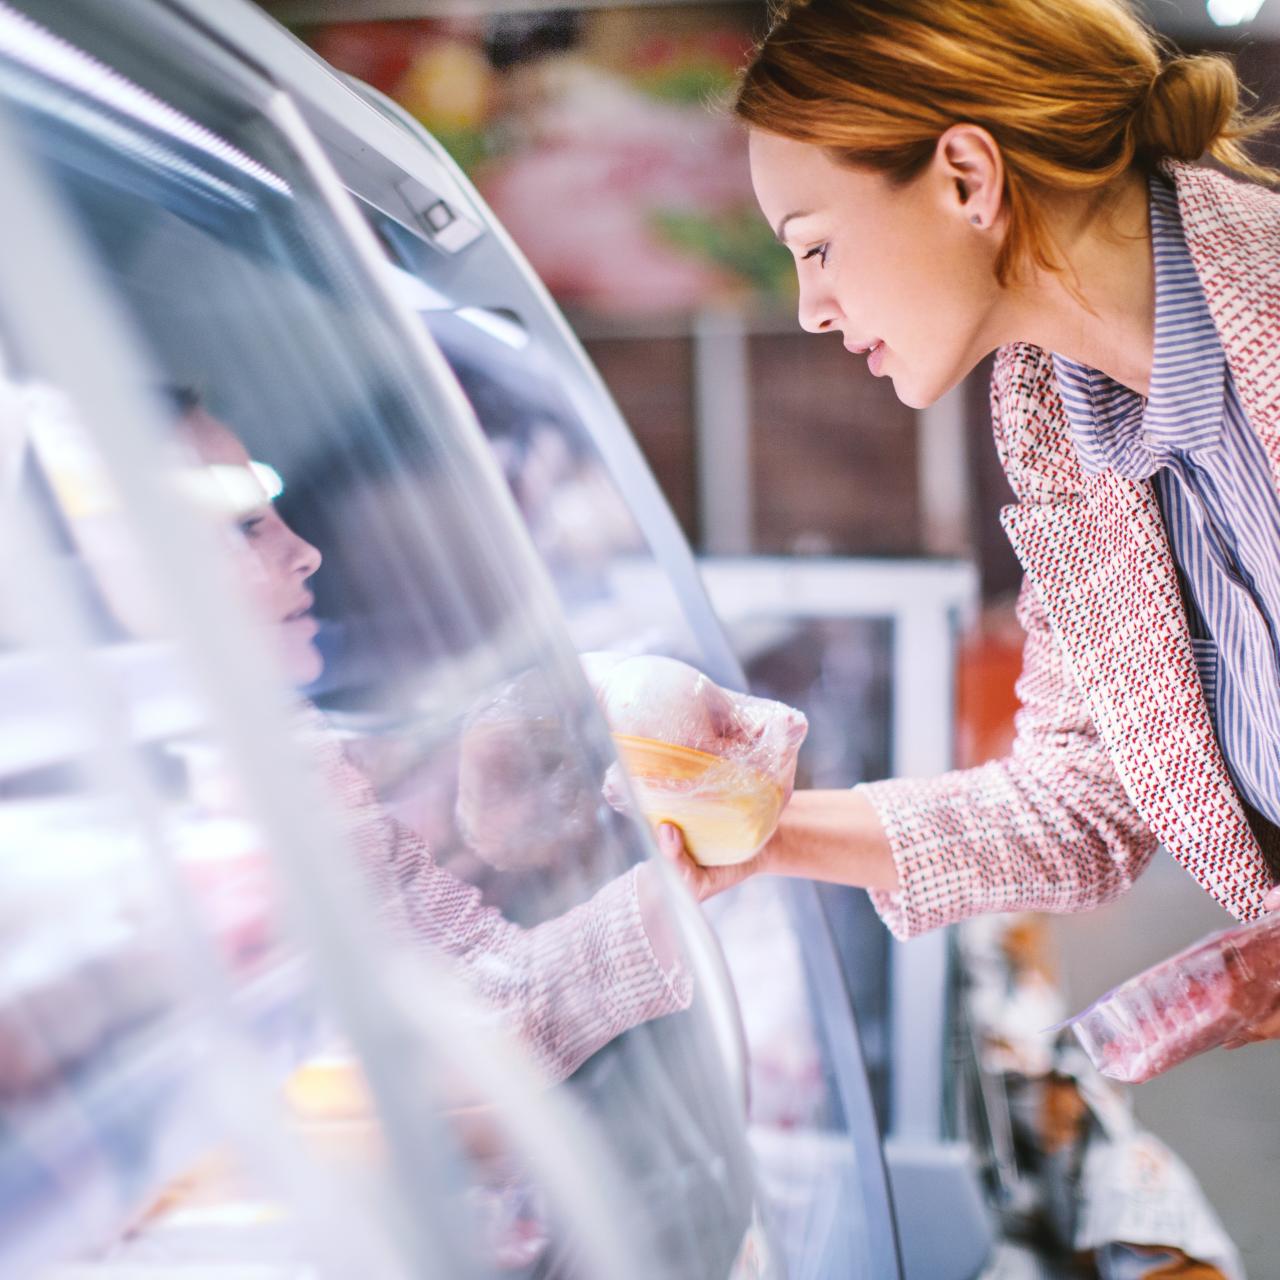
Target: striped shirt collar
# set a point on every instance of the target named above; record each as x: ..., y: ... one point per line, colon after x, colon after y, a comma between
x: 1113, y: 427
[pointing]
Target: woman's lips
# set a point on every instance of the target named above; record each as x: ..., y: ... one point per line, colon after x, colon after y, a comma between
x: 874, y: 351
x: 301, y: 619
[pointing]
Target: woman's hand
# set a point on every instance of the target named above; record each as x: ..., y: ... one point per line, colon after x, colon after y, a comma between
x: 703, y: 882
x: 1268, y: 1028
x: 834, y: 836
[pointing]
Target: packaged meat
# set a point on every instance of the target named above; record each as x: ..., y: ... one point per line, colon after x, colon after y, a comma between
x: 717, y: 764
x: 1211, y: 993
x: 524, y: 799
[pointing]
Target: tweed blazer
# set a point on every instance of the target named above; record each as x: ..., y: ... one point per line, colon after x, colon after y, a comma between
x: 1115, y: 752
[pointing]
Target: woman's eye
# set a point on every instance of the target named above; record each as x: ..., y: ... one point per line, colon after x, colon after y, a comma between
x: 250, y: 527
x: 819, y: 251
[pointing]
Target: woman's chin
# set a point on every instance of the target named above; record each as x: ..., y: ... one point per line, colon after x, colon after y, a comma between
x: 304, y: 666
x: 908, y: 396
x: 918, y: 392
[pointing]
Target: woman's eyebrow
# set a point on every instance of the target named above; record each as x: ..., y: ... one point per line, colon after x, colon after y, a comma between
x: 782, y: 225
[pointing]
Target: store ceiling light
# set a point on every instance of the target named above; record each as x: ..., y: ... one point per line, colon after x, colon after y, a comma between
x: 1233, y: 13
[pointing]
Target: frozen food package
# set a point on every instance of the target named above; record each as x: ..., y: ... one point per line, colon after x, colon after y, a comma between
x: 1199, y: 999
x: 719, y: 765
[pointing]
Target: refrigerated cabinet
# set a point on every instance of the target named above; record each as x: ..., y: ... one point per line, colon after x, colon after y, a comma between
x: 626, y: 580
x: 270, y: 942
x: 207, y: 894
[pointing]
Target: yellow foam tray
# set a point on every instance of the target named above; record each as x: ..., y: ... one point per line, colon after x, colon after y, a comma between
x: 726, y: 810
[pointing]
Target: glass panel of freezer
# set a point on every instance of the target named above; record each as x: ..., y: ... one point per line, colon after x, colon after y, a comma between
x: 583, y: 527
x: 866, y: 649
x: 839, y: 672
x: 310, y: 892
x: 626, y: 581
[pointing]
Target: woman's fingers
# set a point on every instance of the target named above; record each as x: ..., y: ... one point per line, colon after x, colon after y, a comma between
x: 671, y: 844
x: 703, y: 882
x: 1272, y: 901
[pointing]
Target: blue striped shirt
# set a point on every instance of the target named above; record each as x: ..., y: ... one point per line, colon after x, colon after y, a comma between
x: 1212, y: 478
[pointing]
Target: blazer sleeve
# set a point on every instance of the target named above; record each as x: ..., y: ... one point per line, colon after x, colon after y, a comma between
x: 1048, y: 828
x: 565, y: 987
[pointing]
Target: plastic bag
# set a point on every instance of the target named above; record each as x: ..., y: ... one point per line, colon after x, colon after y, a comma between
x: 1196, y: 1000
x: 719, y: 765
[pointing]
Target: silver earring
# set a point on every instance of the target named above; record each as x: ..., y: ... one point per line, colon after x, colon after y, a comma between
x: 976, y: 220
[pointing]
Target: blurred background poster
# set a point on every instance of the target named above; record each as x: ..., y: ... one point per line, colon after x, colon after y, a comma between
x: 601, y: 136
x: 553, y: 113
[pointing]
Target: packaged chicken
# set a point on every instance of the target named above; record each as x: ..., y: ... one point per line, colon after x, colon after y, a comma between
x: 717, y: 764
x: 1203, y: 997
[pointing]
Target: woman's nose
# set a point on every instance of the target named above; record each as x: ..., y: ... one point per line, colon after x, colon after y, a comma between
x: 305, y: 558
x: 818, y: 311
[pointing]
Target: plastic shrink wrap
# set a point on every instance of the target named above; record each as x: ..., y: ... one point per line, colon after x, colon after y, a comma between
x: 719, y: 765
x: 1213, y: 992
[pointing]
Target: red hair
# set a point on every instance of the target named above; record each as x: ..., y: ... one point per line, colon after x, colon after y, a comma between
x: 1075, y: 92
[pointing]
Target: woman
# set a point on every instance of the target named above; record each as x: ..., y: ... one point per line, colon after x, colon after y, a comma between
x: 955, y: 178
x: 567, y: 986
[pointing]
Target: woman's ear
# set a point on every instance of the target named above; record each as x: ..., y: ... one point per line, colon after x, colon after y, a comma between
x: 967, y: 160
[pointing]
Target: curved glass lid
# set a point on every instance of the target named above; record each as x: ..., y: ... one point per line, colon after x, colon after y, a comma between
x: 587, y: 521
x: 305, y: 704
x: 585, y: 531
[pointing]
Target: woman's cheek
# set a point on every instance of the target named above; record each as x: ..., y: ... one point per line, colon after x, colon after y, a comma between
x: 255, y: 574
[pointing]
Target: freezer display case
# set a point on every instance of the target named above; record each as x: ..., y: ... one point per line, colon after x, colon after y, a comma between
x: 627, y: 582
x: 322, y: 954
x: 865, y: 648
x: 333, y: 960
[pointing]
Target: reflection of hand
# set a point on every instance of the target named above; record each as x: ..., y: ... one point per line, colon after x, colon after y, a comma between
x: 524, y: 799
x: 1267, y: 1027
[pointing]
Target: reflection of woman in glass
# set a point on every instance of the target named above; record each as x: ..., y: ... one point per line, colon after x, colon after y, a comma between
x: 569, y: 985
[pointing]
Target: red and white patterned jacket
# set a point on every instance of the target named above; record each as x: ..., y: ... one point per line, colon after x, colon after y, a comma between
x: 1115, y: 752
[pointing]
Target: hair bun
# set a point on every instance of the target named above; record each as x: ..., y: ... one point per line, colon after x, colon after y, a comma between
x: 1189, y: 106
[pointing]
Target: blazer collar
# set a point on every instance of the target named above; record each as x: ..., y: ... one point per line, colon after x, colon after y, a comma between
x: 1096, y: 551
x: 1232, y: 231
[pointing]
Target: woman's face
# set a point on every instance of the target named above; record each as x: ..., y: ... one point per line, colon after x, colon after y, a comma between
x: 900, y: 271
x: 276, y: 563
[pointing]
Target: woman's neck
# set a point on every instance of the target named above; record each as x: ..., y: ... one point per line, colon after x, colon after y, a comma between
x: 1100, y: 311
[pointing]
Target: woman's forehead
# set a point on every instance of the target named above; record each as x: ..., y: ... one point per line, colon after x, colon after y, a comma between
x: 790, y: 178
x: 212, y: 440
x: 773, y: 157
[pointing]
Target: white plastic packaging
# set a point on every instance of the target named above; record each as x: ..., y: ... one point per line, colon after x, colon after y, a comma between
x: 719, y: 765
x: 1215, y: 991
